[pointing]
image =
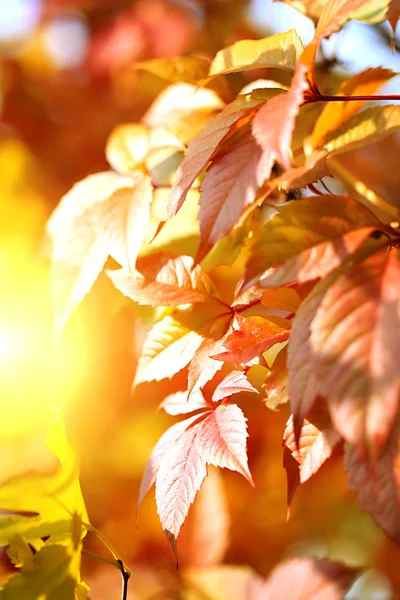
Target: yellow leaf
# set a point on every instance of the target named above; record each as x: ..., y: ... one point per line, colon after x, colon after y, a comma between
x: 280, y: 50
x: 282, y: 299
x: 364, y: 128
x: 189, y: 69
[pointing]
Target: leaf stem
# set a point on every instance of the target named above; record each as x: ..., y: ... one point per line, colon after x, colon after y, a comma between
x: 317, y: 97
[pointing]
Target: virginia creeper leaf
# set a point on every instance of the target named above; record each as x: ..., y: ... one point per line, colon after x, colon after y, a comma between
x: 203, y: 367
x: 274, y: 124
x: 127, y: 147
x: 355, y: 342
x: 168, y: 348
x: 280, y: 50
x: 377, y: 485
x: 275, y: 385
x: 233, y: 383
x: 179, y: 403
x: 165, y: 280
x: 230, y: 184
x: 163, y: 445
x: 222, y: 439
x: 308, y: 239
x: 180, y: 475
x: 189, y: 69
x: 253, y: 337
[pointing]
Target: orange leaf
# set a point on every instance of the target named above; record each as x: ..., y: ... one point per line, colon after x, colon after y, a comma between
x: 202, y: 367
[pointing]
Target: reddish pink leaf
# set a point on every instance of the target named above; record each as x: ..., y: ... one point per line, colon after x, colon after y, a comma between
x: 202, y: 367
x: 355, y: 342
x: 303, y: 386
x: 179, y: 404
x: 181, y: 472
x: 378, y: 485
x: 313, y: 169
x: 166, y: 281
x: 205, y: 537
x: 253, y: 337
x: 222, y: 439
x: 274, y: 124
x: 165, y: 442
x: 314, y: 446
x: 202, y: 148
x: 306, y: 579
x: 230, y: 184
x: 233, y: 383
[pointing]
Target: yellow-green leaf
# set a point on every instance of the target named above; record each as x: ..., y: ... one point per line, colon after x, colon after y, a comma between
x: 189, y: 69
x: 280, y: 50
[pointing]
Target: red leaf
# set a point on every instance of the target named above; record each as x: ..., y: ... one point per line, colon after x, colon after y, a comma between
x: 166, y: 281
x: 355, y: 341
x: 230, y: 184
x: 233, y: 383
x: 179, y: 403
x: 303, y: 386
x: 165, y: 442
x: 180, y: 475
x: 306, y: 579
x: 222, y: 439
x: 377, y: 485
x: 202, y: 148
x: 253, y: 337
x: 274, y: 124
x: 314, y: 446
x: 202, y: 367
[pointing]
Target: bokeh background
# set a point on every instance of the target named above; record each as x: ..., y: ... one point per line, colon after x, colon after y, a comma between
x: 67, y: 77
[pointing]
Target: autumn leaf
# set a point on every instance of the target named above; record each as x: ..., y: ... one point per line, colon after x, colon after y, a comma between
x: 393, y: 14
x: 355, y: 346
x: 179, y: 403
x: 286, y: 299
x: 253, y: 336
x: 165, y: 280
x: 377, y: 485
x: 303, y: 579
x: 307, y: 239
x: 222, y: 439
x: 274, y: 124
x: 168, y: 348
x: 280, y: 50
x: 275, y: 385
x: 203, y: 148
x: 312, y: 170
x: 164, y: 444
x: 105, y: 214
x: 180, y: 475
x: 336, y: 113
x: 234, y: 383
x: 127, y: 147
x: 313, y: 447
x: 189, y: 69
x: 230, y: 184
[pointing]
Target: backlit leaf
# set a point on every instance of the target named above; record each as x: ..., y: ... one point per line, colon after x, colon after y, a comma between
x: 180, y: 475
x: 164, y: 444
x: 336, y: 113
x: 286, y: 299
x: 165, y: 280
x: 308, y: 239
x: 280, y: 50
x: 275, y: 385
x: 179, y: 403
x: 230, y: 184
x: 274, y: 124
x: 222, y: 439
x: 364, y: 128
x: 377, y: 485
x: 168, y: 348
x: 355, y: 342
x: 203, y: 367
x: 127, y: 147
x: 234, y: 383
x: 189, y: 69
x: 253, y: 337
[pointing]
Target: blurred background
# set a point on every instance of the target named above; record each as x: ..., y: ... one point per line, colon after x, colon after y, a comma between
x: 67, y: 77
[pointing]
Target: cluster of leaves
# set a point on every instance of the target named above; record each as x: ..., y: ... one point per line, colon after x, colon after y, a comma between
x: 317, y: 301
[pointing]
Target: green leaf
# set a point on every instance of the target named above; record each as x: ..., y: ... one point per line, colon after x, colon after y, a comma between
x: 35, y: 506
x: 280, y: 50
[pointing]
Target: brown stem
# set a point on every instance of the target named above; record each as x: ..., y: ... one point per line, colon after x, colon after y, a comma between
x: 313, y: 97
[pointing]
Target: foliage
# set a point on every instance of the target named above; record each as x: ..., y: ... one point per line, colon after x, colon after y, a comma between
x: 316, y: 305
